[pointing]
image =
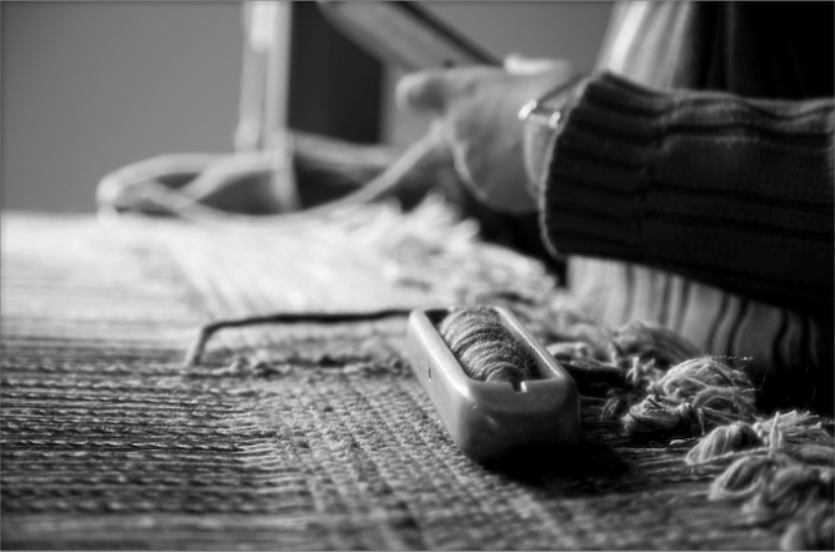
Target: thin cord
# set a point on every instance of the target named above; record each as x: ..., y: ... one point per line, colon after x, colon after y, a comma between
x: 198, y: 346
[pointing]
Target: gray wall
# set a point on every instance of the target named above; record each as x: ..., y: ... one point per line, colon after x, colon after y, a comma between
x: 91, y: 86
x: 88, y: 87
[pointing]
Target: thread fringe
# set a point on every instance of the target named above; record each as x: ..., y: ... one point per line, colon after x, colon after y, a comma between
x: 780, y: 469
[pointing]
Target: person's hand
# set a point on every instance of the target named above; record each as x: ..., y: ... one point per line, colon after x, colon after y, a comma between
x: 477, y: 117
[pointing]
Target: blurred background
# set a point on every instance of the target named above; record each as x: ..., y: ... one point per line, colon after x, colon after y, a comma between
x: 88, y: 87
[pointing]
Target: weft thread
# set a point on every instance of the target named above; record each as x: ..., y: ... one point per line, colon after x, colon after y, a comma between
x: 484, y: 348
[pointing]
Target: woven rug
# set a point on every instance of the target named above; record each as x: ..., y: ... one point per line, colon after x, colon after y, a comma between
x: 287, y: 437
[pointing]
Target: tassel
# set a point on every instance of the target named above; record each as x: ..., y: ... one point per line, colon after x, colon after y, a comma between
x: 789, y: 490
x: 722, y: 441
x: 744, y: 478
x: 694, y: 397
x: 813, y: 531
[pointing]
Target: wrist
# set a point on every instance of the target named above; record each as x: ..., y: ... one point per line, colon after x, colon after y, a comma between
x: 543, y: 119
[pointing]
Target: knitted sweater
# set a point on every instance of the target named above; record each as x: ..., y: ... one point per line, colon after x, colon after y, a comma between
x: 691, y: 182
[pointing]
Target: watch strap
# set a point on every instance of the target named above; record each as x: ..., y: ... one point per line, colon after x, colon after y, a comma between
x: 542, y: 119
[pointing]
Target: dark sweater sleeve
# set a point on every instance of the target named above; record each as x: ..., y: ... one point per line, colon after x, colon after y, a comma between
x: 733, y: 192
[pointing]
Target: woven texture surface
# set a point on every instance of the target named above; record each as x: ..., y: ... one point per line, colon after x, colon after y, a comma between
x: 302, y: 437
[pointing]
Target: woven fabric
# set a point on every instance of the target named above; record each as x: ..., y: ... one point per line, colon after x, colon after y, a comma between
x: 302, y: 437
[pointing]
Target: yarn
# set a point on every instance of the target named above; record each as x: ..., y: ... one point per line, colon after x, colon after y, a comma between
x: 744, y: 478
x: 484, y: 348
x: 781, y: 470
x: 649, y: 341
x: 789, y: 490
x: 693, y: 397
x: 723, y: 440
x: 815, y: 530
x: 618, y: 363
x: 813, y: 454
x: 660, y: 416
x: 779, y: 490
x: 693, y: 376
x: 795, y: 433
x: 797, y: 426
x: 778, y: 468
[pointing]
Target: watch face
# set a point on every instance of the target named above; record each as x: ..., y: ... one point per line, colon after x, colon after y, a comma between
x: 547, y: 110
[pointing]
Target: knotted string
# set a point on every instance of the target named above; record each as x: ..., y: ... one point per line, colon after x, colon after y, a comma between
x: 693, y: 397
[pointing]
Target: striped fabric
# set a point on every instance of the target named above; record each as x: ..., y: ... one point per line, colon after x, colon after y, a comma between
x: 680, y: 201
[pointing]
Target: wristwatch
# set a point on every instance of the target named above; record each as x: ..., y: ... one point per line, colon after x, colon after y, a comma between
x: 542, y: 118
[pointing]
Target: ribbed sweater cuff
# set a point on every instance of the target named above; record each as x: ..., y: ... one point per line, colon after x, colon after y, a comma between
x: 592, y: 198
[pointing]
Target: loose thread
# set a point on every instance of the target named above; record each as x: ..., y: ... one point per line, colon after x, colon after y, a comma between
x: 722, y: 441
x: 640, y: 340
x: 788, y: 491
x: 811, y: 453
x: 693, y: 397
x: 198, y: 346
x: 745, y: 477
x: 620, y: 363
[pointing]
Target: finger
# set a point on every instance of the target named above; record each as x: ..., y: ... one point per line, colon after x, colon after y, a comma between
x: 426, y: 91
x: 520, y: 65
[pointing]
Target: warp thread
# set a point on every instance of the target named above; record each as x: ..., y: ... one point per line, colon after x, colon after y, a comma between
x: 484, y: 348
